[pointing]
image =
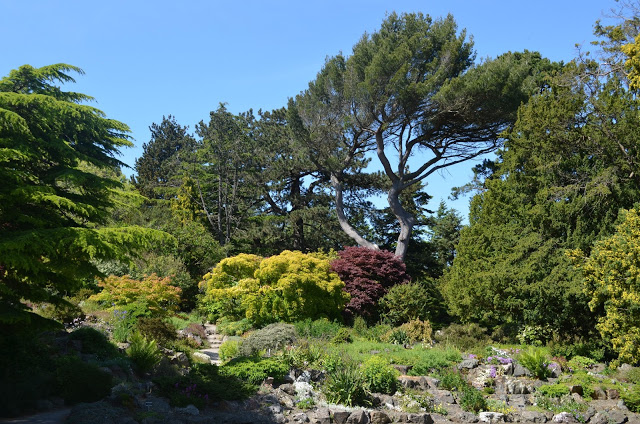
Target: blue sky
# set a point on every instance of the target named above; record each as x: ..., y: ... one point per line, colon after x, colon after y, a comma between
x: 147, y: 59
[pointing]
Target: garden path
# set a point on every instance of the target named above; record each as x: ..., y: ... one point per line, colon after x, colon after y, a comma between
x: 214, y: 340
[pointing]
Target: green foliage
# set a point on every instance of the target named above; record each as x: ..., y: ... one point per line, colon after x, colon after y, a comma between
x: 428, y: 360
x: 318, y: 329
x: 594, y: 348
x: 305, y: 354
x: 288, y: 287
x: 159, y: 296
x: 558, y: 184
x: 157, y: 329
x: 204, y: 384
x: 398, y: 336
x: 255, y: 370
x: 610, y: 274
x: 345, y: 385
x: 144, y: 353
x: 417, y: 331
x: 452, y: 380
x: 272, y: 337
x: 233, y: 328
x: 631, y: 398
x: 473, y: 400
x: 554, y: 390
x: 536, y: 361
x: 77, y: 381
x: 95, y: 342
x: 464, y: 337
x: 379, y: 376
x: 342, y: 336
x: 405, y: 302
x: 229, y: 350
x: 580, y: 363
x: 60, y: 178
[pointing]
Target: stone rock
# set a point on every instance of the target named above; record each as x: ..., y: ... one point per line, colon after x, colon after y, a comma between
x: 576, y: 389
x: 419, y: 418
x: 520, y: 371
x: 625, y: 367
x: 533, y: 416
x: 305, y: 377
x: 465, y: 417
x: 303, y: 389
x: 599, y: 418
x: 621, y: 406
x: 412, y: 382
x: 556, y: 369
x: 98, y: 413
x: 518, y: 401
x: 443, y: 396
x: 358, y: 417
x: 468, y: 364
x: 517, y: 387
x: 279, y: 419
x: 340, y: 417
x: 403, y: 369
x: 576, y: 397
x: 564, y: 417
x: 386, y: 400
x: 507, y: 368
x: 317, y: 375
x: 180, y: 359
x: 433, y: 382
x: 617, y: 417
x: 598, y: 394
x: 188, y: 410
x: 379, y: 417
x: 269, y: 381
x: 288, y: 389
x: 153, y: 404
x: 300, y: 418
x: 275, y: 409
x: 589, y: 413
x: 201, y: 357
x: 491, y: 417
x: 613, y: 394
x: 321, y: 416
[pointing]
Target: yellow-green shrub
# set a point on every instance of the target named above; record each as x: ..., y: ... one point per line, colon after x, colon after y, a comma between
x: 611, y: 276
x: 289, y: 287
x: 159, y: 296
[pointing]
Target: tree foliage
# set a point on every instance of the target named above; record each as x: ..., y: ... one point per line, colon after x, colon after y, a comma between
x: 569, y: 165
x: 612, y: 280
x: 58, y: 172
x: 368, y: 274
x: 289, y: 287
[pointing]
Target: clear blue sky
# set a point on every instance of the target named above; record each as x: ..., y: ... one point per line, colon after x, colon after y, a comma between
x: 146, y: 59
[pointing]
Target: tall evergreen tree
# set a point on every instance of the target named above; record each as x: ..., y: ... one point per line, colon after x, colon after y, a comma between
x: 59, y: 158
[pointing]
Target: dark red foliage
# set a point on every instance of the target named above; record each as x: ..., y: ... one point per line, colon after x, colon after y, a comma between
x: 368, y: 274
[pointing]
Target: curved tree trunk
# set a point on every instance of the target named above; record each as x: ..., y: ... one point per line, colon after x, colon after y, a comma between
x: 342, y: 219
x: 406, y: 220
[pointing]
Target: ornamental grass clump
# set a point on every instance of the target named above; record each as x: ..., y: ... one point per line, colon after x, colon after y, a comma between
x: 346, y: 385
x: 144, y: 353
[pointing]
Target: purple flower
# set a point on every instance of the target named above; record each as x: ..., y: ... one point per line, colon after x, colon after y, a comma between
x: 492, y: 372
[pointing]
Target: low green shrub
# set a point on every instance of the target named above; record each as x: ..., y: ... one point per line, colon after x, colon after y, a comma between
x: 143, y: 352
x: 406, y: 302
x: 379, y: 376
x: 272, y: 337
x: 631, y: 398
x: 553, y: 390
x: 464, y: 337
x: 203, y: 384
x: 95, y: 342
x: 360, y: 327
x: 595, y: 348
x: 255, y: 370
x: 580, y: 363
x: 158, y: 329
x: 229, y: 350
x: 452, y: 380
x: 320, y: 329
x: 398, y: 336
x: 64, y: 312
x: 632, y: 375
x: 342, y: 336
x: 536, y: 361
x: 229, y: 327
x: 77, y: 381
x: 472, y: 400
x: 429, y: 360
x: 346, y: 385
x: 417, y: 331
x: 304, y: 354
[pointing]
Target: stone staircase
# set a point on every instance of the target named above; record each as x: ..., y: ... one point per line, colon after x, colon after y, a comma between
x: 214, y: 340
